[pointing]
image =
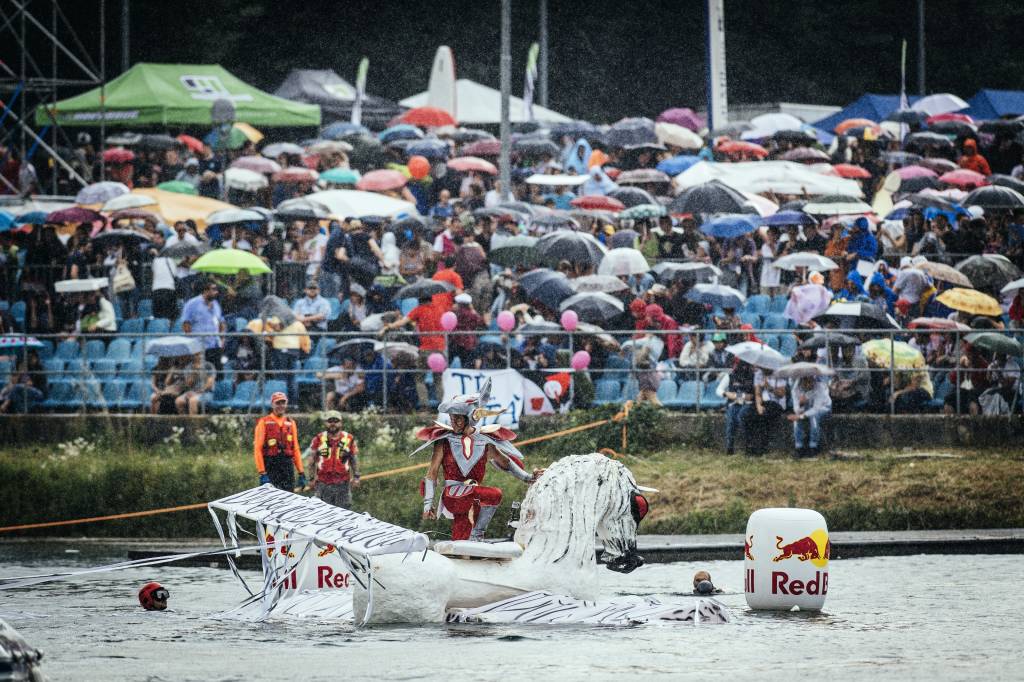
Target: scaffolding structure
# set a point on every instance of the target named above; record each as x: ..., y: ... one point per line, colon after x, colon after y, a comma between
x: 42, y: 58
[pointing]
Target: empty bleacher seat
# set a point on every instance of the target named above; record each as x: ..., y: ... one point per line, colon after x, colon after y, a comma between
x: 775, y: 321
x: 145, y: 310
x: 757, y: 304
x: 95, y: 349
x: 245, y: 395
x: 134, y: 325
x: 178, y: 327
x: 158, y: 325
x: 709, y: 399
x: 687, y: 395
x: 778, y: 304
x: 136, y: 396
x: 68, y: 350
x: 18, y: 312
x: 46, y: 350
x: 53, y: 367
x: 788, y: 344
x: 667, y: 392
x: 119, y: 350
x: 222, y: 393
x: 335, y: 309
x: 59, y: 395
x: 113, y: 392
x: 270, y: 388
x: 753, y: 319
x: 103, y: 369
x: 606, y: 391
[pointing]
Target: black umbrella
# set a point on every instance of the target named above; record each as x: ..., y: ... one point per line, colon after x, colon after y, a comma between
x: 995, y: 197
x: 795, y: 136
x: 127, y: 237
x: 157, y: 142
x: 991, y: 271
x: 534, y: 279
x: 857, y: 316
x: 669, y: 271
x: 184, y: 250
x: 534, y: 146
x: 923, y: 140
x: 829, y: 339
x: 1007, y: 181
x: 516, y: 251
x: 547, y: 222
x: 632, y: 196
x: 576, y: 130
x: 302, y: 208
x: 594, y: 307
x: 1002, y: 126
x: 466, y: 135
x: 955, y: 128
x: 632, y: 132
x: 354, y: 348
x: 711, y: 197
x: 908, y: 116
x: 415, y: 224
x: 546, y: 287
x: 576, y: 247
x: 429, y: 148
x: 919, y: 183
x: 423, y: 288
x: 624, y: 239
x: 367, y: 152
x: 900, y: 158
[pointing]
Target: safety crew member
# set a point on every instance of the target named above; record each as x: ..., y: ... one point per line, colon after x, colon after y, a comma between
x: 334, y: 470
x: 276, y: 447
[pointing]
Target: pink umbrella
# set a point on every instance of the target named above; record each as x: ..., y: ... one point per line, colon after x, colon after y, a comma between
x: 964, y: 178
x: 806, y: 302
x: 950, y: 116
x: 938, y: 165
x: 472, y: 163
x: 910, y: 172
x: 75, y: 214
x: 682, y: 116
x: 257, y: 164
x: 483, y: 148
x: 295, y: 175
x: 381, y: 181
x: 598, y: 202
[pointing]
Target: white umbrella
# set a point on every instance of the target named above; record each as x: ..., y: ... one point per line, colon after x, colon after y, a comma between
x: 244, y: 180
x: 805, y: 259
x: 272, y: 151
x: 767, y: 125
x: 757, y: 354
x: 653, y: 343
x: 797, y: 370
x: 606, y: 283
x: 677, y: 136
x: 851, y: 207
x: 556, y: 180
x: 234, y: 215
x: 1013, y: 286
x: 352, y: 203
x: 129, y: 201
x: 623, y: 261
x: 763, y: 205
x: 939, y: 103
x: 78, y: 286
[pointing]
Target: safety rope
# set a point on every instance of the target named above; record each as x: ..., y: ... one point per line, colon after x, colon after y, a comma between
x: 620, y: 416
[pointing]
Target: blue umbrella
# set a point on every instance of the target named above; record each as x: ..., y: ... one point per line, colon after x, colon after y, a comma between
x: 341, y: 129
x: 716, y: 295
x: 678, y: 164
x: 789, y: 218
x: 402, y: 131
x: 174, y: 347
x: 729, y: 226
x: 433, y: 149
x: 340, y: 176
x: 6, y: 221
x: 31, y: 218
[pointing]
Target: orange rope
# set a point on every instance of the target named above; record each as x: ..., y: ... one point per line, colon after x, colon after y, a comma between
x: 620, y: 416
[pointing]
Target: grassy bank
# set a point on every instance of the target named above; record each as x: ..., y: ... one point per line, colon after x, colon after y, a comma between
x: 701, y: 491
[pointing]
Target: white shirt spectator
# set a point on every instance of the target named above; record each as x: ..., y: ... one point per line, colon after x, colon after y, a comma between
x: 813, y: 403
x: 910, y: 284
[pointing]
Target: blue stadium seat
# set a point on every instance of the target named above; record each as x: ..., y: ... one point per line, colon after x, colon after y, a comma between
x: 775, y: 321
x: 113, y: 392
x: 240, y: 323
x: 45, y: 351
x: 136, y: 397
x: 150, y: 362
x: 135, y: 325
x: 753, y: 319
x: 221, y: 398
x: 456, y: 363
x: 687, y: 395
x: 139, y: 349
x: 787, y: 344
x: 667, y: 390
x: 616, y: 362
x: 145, y: 309
x: 158, y: 325
x: 606, y: 391
x: 103, y: 369
x: 68, y: 350
x: 245, y: 395
x: 18, y: 312
x: 179, y: 326
x: 88, y: 393
x: 270, y: 388
x: 6, y: 367
x: 631, y: 389
x: 132, y: 370
x: 95, y: 349
x: 709, y: 399
x: 778, y: 304
x: 53, y: 366
x: 321, y: 347
x: 335, y: 309
x: 119, y: 350
x: 59, y: 395
x: 757, y: 304
x: 72, y: 367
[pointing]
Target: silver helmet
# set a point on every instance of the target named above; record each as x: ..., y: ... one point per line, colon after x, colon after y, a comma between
x: 471, y: 405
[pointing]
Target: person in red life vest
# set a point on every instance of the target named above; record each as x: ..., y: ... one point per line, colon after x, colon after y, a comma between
x: 657, y: 319
x: 461, y: 451
x: 334, y: 472
x: 276, y: 447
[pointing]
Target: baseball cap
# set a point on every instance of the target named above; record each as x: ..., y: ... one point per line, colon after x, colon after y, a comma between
x: 719, y: 336
x: 331, y: 414
x: 278, y: 397
x: 464, y: 298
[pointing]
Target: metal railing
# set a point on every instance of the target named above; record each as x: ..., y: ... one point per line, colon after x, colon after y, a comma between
x: 98, y: 371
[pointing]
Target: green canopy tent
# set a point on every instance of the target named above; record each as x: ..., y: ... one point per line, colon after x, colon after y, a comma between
x: 176, y: 94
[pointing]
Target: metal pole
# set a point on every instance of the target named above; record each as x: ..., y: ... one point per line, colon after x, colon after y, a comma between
x: 506, y: 88
x: 53, y: 91
x: 28, y: 131
x: 103, y: 88
x: 125, y: 28
x: 920, y: 48
x: 24, y: 56
x: 543, y: 61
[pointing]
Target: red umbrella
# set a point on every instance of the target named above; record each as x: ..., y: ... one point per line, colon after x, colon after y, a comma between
x: 740, y: 148
x: 950, y: 116
x: 75, y: 214
x: 192, y: 143
x: 295, y: 174
x: 118, y: 155
x: 598, y: 203
x: 849, y: 170
x: 381, y: 181
x: 806, y: 155
x: 964, y: 178
x: 849, y: 123
x: 937, y: 323
x: 472, y: 163
x: 483, y: 148
x: 257, y: 164
x: 427, y: 117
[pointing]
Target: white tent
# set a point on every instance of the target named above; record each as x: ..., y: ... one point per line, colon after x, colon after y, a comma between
x: 781, y: 177
x: 478, y: 104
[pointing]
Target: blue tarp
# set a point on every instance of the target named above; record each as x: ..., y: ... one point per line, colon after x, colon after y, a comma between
x: 989, y: 104
x: 869, y: 106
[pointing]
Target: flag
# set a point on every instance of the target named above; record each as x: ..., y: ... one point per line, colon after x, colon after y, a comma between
x: 904, y: 104
x: 357, y: 105
x: 528, y: 83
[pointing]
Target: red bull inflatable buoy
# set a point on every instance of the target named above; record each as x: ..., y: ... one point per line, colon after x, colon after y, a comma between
x: 785, y: 558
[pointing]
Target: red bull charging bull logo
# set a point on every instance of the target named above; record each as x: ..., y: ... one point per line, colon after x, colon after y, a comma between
x: 816, y: 548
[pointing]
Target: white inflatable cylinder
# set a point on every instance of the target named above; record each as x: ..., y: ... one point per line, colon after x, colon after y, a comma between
x: 786, y: 553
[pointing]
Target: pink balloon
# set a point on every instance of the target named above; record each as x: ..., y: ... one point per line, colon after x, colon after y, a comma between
x: 448, y: 321
x: 437, y: 363
x: 506, y: 321
x: 580, y: 360
x: 569, y: 320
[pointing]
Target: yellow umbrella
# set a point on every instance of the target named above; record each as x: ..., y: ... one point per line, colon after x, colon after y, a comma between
x: 879, y: 353
x: 250, y: 133
x: 174, y: 207
x: 970, y: 301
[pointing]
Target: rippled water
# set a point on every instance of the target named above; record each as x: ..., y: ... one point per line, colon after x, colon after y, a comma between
x: 921, y: 617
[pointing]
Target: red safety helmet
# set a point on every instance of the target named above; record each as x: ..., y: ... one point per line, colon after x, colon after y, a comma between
x: 150, y: 594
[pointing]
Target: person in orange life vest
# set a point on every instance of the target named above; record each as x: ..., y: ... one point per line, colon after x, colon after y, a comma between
x: 276, y: 447
x: 461, y: 451
x: 972, y: 160
x: 334, y: 471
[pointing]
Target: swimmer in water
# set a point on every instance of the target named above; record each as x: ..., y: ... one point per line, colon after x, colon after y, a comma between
x: 702, y: 584
x: 153, y: 597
